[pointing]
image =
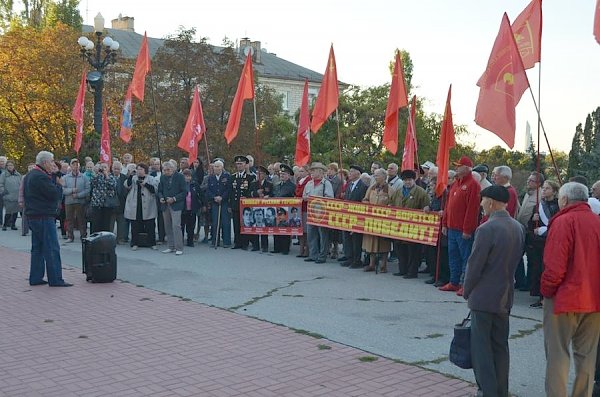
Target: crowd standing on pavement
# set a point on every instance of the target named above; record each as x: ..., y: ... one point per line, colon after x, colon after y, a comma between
x: 486, y: 232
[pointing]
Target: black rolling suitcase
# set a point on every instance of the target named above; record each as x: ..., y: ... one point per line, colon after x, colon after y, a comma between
x: 99, y: 259
x: 143, y: 240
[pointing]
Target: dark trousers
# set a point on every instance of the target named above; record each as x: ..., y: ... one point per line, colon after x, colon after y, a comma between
x: 409, y: 258
x: 161, y: 227
x: 101, y: 219
x: 352, y: 246
x: 264, y: 242
x: 535, y: 267
x: 431, y: 253
x: 282, y: 244
x: 521, y: 276
x: 147, y: 226
x: 489, y: 352
x: 10, y: 219
x: 239, y: 239
x: 188, y: 225
x: 45, y: 252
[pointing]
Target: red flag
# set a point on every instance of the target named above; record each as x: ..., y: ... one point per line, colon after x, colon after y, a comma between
x: 142, y: 68
x: 597, y: 22
x: 327, y: 100
x: 77, y: 113
x: 410, y: 141
x: 126, y: 117
x: 302, y: 156
x: 105, y: 153
x: 527, y: 29
x: 245, y: 90
x: 501, y: 86
x: 446, y: 143
x: 397, y: 99
x: 194, y: 128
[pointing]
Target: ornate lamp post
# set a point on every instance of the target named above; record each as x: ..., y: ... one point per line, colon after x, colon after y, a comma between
x: 93, y: 54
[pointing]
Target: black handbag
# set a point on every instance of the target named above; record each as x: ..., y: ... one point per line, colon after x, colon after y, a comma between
x: 460, y: 348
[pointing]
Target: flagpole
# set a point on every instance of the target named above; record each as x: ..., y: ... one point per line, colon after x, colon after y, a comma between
x: 256, y: 142
x: 337, y: 116
x: 155, y: 119
x: 538, y: 165
x: 206, y: 144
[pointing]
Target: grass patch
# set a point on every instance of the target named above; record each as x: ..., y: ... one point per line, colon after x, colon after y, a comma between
x: 293, y: 296
x: 324, y: 347
x: 185, y: 299
x: 368, y: 359
x: 363, y: 299
x: 430, y: 336
x: 82, y: 337
x: 525, y: 332
x: 145, y: 299
x: 422, y: 363
x: 308, y: 333
x: 139, y: 285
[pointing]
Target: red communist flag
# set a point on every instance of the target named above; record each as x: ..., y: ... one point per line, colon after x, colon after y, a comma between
x: 327, y: 100
x: 527, y: 29
x: 194, y: 128
x: 410, y: 140
x: 127, y: 117
x: 142, y: 68
x: 501, y: 86
x: 597, y: 22
x: 105, y: 153
x: 245, y: 90
x: 397, y: 99
x: 77, y: 113
x: 302, y: 156
x: 446, y: 143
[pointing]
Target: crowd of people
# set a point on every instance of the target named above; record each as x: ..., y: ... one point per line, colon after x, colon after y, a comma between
x: 492, y: 241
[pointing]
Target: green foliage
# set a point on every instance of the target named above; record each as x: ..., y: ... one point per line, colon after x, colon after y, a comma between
x: 40, y: 13
x: 584, y: 157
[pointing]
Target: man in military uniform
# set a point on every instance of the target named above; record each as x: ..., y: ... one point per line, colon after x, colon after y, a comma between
x: 264, y: 189
x: 243, y: 184
x: 217, y: 196
x: 286, y: 188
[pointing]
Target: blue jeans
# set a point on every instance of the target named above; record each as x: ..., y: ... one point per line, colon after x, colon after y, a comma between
x: 225, y: 224
x: 459, y: 250
x: 45, y: 252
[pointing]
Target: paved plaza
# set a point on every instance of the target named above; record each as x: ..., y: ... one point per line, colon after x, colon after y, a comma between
x: 233, y: 323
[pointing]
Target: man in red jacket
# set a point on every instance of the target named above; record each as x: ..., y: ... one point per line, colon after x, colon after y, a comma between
x: 460, y: 221
x: 571, y: 288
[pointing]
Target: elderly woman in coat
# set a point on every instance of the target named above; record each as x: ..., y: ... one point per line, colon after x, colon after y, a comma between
x: 140, y: 206
x: 10, y: 180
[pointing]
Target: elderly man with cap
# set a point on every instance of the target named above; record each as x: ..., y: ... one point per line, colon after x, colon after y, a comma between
x: 355, y: 191
x: 287, y: 188
x: 318, y: 237
x: 483, y: 171
x: 412, y: 196
x: 488, y: 287
x: 243, y: 184
x: 459, y: 221
x: 217, y: 197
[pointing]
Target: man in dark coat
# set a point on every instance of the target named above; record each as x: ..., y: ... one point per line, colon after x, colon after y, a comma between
x: 286, y: 189
x: 217, y: 197
x: 264, y: 189
x: 355, y: 191
x: 243, y: 184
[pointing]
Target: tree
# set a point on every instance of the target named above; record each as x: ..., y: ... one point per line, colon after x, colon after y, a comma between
x: 40, y: 13
x: 584, y: 156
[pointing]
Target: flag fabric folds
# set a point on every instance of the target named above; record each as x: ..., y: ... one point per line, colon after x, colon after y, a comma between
x: 328, y: 98
x: 142, y: 68
x: 446, y: 143
x: 409, y: 156
x: 105, y: 152
x: 597, y: 22
x: 126, y: 117
x: 194, y: 128
x: 527, y: 30
x: 396, y: 100
x: 501, y: 86
x: 245, y: 90
x: 302, y: 156
x: 77, y: 113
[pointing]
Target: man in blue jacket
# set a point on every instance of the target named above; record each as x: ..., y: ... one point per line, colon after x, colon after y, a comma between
x: 217, y: 194
x: 42, y: 194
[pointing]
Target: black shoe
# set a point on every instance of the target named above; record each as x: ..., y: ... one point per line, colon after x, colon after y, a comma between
x: 236, y: 247
x: 407, y: 276
x: 3, y: 228
x: 345, y: 264
x: 430, y: 281
x: 62, y: 285
x: 343, y: 259
x: 320, y: 261
x: 190, y: 244
x: 399, y: 274
x: 274, y: 252
x: 285, y: 252
x: 356, y: 265
x: 537, y: 304
x: 426, y: 270
x: 254, y: 249
x: 440, y: 283
x: 309, y: 260
x: 296, y: 243
x: 524, y: 289
x: 13, y: 228
x: 43, y: 282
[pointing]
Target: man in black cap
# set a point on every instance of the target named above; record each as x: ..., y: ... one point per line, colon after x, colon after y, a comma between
x: 243, y: 184
x: 488, y: 287
x: 286, y: 188
x: 483, y: 171
x: 355, y: 191
x: 264, y: 189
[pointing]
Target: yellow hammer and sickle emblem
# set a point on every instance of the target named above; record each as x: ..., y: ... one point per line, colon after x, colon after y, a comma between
x: 508, y: 78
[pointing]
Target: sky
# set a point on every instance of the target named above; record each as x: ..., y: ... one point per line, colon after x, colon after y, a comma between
x: 449, y: 42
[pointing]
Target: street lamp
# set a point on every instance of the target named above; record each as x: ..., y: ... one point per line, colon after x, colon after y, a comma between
x: 93, y: 54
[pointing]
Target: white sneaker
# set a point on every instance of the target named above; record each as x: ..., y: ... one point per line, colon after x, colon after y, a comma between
x: 134, y: 248
x: 167, y: 251
x: 178, y: 252
x: 154, y: 247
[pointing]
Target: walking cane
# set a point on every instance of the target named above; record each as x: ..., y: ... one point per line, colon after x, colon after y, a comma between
x: 218, y: 236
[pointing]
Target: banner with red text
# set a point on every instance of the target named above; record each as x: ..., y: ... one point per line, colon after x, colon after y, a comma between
x: 277, y: 216
x: 391, y: 222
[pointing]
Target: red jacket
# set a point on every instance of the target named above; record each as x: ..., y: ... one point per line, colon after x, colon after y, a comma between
x: 572, y: 260
x: 462, y: 209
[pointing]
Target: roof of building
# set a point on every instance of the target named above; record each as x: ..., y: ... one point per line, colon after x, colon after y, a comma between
x: 271, y: 66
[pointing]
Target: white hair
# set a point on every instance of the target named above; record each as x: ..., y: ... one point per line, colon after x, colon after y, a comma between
x: 574, y: 192
x: 433, y: 170
x: 43, y: 156
x: 218, y: 162
x: 3, y: 158
x: 476, y: 176
x: 380, y: 171
x: 503, y: 170
x: 393, y: 165
x: 451, y: 174
x: 168, y: 164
